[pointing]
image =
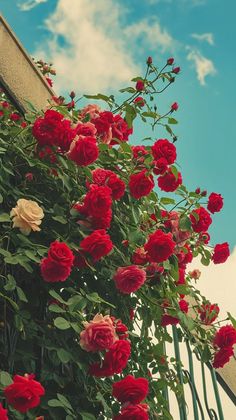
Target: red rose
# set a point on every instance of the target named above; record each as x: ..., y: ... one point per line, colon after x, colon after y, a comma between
x: 133, y: 412
x: 225, y: 336
x: 149, y: 60
x: 130, y: 390
x: 117, y: 186
x: 163, y: 148
x: 100, y: 176
x: 183, y: 305
x: 169, y: 320
x: 141, y: 184
x: 24, y: 393
x: 52, y: 271
x: 139, y: 85
x: 45, y: 129
x: 83, y: 150
x: 208, y: 313
x: 139, y: 256
x: 109, y: 178
x: 103, y: 124
x: 181, y: 279
x: 14, y: 117
x: 221, y: 253
x: 139, y: 101
x: 139, y: 151
x: 97, y: 245
x: 61, y: 253
x: 102, y: 222
x: 121, y: 329
x: 86, y: 129
x: 115, y: 360
x: 52, y: 130
x: 99, y: 334
x: 185, y: 256
x: 170, y: 61
x: 120, y: 129
x: 202, y: 220
x: 97, y: 201
x: 129, y: 279
x: 222, y: 357
x: 161, y: 166
x: 160, y: 246
x: 3, y: 413
x: 215, y: 203
x: 168, y: 182
x: 174, y: 106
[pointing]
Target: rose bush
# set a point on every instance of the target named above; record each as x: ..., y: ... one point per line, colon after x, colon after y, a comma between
x: 94, y: 257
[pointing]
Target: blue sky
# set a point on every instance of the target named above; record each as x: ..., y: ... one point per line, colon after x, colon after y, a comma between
x: 100, y: 44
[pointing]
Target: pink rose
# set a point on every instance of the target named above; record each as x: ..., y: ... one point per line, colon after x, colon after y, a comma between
x: 99, y: 334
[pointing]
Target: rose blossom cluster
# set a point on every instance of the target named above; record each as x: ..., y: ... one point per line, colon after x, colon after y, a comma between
x: 166, y: 239
x: 58, y: 263
x: 163, y: 153
x: 105, y: 333
x: 224, y: 341
x: 130, y: 392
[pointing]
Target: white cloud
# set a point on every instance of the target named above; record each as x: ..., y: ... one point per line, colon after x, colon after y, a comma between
x: 92, y: 48
x: 190, y: 3
x: 27, y: 5
x: 203, y: 66
x: 208, y: 37
x: 152, y: 33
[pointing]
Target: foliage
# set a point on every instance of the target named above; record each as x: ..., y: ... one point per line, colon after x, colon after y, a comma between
x: 41, y: 321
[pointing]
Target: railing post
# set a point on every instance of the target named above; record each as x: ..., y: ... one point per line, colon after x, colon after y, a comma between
x: 180, y: 400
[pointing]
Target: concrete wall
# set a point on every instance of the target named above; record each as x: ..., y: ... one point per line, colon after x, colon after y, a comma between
x: 18, y: 74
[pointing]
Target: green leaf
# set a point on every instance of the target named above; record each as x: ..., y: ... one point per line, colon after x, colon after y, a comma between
x: 64, y: 401
x: 61, y: 323
x: 130, y: 115
x: 205, y: 261
x: 5, y: 252
x: 150, y: 114
x: 11, y: 284
x: 206, y: 355
x: 172, y: 121
x: 56, y: 308
x: 99, y: 96
x: 175, y: 171
x: 31, y: 256
x: 167, y: 200
x: 1, y: 198
x: 87, y: 416
x: 5, y: 379
x: 232, y: 319
x: 4, y: 217
x: 184, y: 223
x: 60, y: 219
x: 128, y: 89
x: 55, y: 403
x: 56, y: 296
x: 21, y: 294
x: 64, y: 355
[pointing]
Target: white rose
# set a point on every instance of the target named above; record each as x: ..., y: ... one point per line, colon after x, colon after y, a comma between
x: 27, y: 216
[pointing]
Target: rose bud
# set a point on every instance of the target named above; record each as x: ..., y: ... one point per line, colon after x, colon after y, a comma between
x: 170, y: 61
x: 149, y: 61
x: 174, y: 106
x: 176, y: 70
x: 139, y: 85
